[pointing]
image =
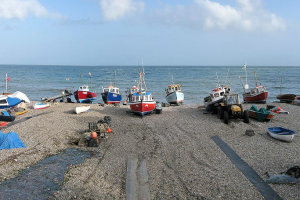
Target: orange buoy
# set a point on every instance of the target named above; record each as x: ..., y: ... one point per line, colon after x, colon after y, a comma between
x: 272, y: 110
x: 108, y: 130
x: 93, y: 135
x: 278, y: 108
x: 277, y: 111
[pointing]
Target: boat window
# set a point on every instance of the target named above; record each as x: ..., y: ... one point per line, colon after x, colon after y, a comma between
x: 3, y: 102
x: 222, y: 93
x: 105, y: 90
x: 117, y: 90
x: 216, y: 94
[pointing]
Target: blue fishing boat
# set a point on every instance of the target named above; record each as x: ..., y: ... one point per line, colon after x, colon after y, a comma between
x: 111, y: 94
x: 7, y: 102
x: 280, y: 133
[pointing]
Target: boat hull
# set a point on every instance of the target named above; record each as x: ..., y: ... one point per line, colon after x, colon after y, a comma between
x: 111, y: 98
x: 257, y: 98
x: 280, y: 133
x: 175, y: 97
x: 260, y: 116
x: 10, y: 102
x: 142, y: 108
x: 286, y: 97
x: 7, y: 118
x: 80, y: 109
x: 85, y: 96
x: 38, y: 106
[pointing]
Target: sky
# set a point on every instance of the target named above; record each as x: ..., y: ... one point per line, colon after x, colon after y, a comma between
x: 161, y: 32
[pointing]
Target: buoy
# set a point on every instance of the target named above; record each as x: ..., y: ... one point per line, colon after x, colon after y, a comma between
x: 125, y: 102
x: 108, y: 130
x: 272, y: 110
x: 93, y: 135
x: 278, y: 108
x: 277, y: 111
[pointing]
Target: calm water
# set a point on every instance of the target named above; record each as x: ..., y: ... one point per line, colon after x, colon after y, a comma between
x: 197, y: 81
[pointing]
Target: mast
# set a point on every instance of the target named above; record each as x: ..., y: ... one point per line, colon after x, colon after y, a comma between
x: 242, y: 84
x: 280, y: 84
x: 81, y: 78
x: 255, y: 78
x: 246, y: 85
x: 90, y: 74
x: 172, y: 78
x: 115, y: 79
x: 6, y: 82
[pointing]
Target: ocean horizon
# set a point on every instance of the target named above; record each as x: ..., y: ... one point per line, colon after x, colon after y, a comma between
x: 43, y: 81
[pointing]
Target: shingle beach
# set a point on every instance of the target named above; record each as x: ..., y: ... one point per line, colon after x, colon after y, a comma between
x: 182, y: 160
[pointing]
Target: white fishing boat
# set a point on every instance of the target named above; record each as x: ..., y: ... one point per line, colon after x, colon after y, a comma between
x: 280, y: 133
x: 81, y: 109
x: 174, y: 94
x: 215, y: 97
x: 41, y: 105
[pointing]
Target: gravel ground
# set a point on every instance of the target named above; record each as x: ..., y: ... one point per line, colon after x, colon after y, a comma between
x: 182, y: 160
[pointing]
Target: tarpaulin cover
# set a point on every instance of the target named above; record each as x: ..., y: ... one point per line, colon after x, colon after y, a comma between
x: 10, y: 140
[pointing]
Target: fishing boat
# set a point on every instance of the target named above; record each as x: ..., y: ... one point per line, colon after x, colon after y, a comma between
x: 41, y: 105
x: 258, y: 94
x: 280, y: 133
x: 174, y: 94
x: 261, y: 115
x: 81, y: 109
x: 7, y: 102
x: 4, y: 116
x: 111, y: 94
x: 142, y: 101
x: 216, y: 96
x: 285, y: 97
x: 83, y: 94
x: 130, y: 92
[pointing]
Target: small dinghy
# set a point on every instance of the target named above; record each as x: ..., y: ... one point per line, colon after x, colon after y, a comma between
x: 280, y: 133
x: 80, y: 109
x: 41, y: 105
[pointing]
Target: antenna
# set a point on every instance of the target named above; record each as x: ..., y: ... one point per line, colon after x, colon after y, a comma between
x: 115, y: 78
x: 226, y: 77
x: 172, y: 78
x: 218, y: 79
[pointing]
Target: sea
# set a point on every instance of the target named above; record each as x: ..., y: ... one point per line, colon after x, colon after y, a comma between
x: 44, y: 81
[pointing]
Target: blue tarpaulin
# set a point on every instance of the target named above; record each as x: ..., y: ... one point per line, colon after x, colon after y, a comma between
x: 10, y: 140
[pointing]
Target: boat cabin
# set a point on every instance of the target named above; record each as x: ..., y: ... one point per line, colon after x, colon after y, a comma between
x: 145, y: 96
x: 111, y: 89
x: 3, y: 100
x: 219, y: 92
x: 84, y: 88
x: 173, y: 88
x: 133, y: 90
x: 258, y: 89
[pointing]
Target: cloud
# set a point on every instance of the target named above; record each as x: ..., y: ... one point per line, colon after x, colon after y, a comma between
x: 117, y: 9
x: 10, y: 9
x: 248, y: 15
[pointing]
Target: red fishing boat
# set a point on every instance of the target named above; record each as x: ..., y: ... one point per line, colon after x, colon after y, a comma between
x: 142, y: 101
x: 258, y: 94
x: 83, y: 94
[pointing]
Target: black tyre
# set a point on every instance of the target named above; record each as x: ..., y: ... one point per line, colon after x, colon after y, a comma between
x: 220, y: 112
x: 242, y: 113
x: 246, y: 116
x: 226, y: 118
